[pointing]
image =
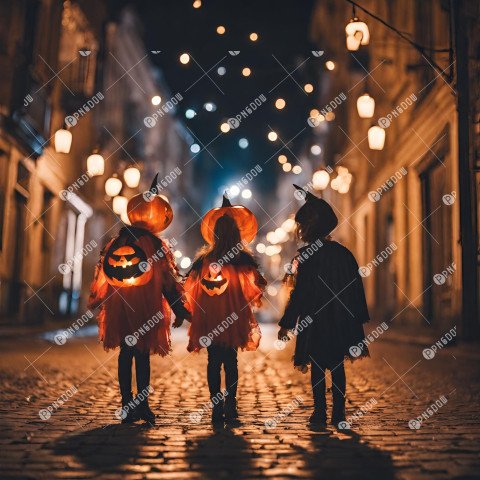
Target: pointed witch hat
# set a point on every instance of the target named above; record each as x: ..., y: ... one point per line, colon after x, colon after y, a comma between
x: 317, y: 210
x: 244, y: 218
x: 150, y: 211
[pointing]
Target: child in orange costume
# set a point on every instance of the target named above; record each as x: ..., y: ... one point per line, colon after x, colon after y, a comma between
x: 136, y: 287
x: 221, y: 288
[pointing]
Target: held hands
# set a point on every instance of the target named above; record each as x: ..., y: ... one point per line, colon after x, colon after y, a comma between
x: 179, y: 320
x: 283, y: 334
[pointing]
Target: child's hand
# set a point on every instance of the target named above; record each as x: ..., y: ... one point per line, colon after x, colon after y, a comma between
x: 283, y: 334
x: 178, y: 322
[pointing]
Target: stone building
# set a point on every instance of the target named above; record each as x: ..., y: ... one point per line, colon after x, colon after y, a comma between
x: 402, y: 213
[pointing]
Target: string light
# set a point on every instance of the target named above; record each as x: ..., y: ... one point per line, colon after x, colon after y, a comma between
x: 225, y: 127
x: 131, y: 175
x: 243, y: 143
x: 220, y: 29
x: 376, y: 137
x: 365, y: 106
x: 197, y: 4
x: 184, y: 58
x: 246, y: 72
x: 272, y: 136
x: 253, y: 37
x: 297, y: 169
x: 282, y: 159
x: 308, y: 87
x: 287, y: 167
x: 156, y: 100
x: 320, y: 180
x: 329, y: 65
x: 316, y: 149
x: 221, y: 71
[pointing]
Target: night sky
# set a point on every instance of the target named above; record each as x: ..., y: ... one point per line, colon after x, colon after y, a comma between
x: 174, y: 27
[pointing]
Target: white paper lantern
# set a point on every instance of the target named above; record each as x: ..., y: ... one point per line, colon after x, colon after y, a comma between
x: 376, y: 137
x: 365, y: 106
x: 63, y: 141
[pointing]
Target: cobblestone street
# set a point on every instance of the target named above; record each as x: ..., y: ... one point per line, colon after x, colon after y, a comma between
x: 83, y: 439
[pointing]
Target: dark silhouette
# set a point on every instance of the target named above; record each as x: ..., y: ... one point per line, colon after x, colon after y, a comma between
x: 327, y: 306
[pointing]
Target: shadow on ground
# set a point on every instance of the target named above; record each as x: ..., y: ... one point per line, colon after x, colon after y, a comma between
x: 345, y: 456
x: 105, y: 449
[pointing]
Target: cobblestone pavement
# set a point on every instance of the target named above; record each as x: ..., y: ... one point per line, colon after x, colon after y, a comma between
x: 82, y: 438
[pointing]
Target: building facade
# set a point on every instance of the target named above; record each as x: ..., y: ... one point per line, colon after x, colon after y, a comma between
x: 402, y: 215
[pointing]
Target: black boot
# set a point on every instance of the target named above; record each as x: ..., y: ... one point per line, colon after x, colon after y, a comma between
x: 231, y: 382
x: 231, y: 412
x: 215, y: 360
x: 145, y: 413
x: 128, y: 413
x: 218, y: 411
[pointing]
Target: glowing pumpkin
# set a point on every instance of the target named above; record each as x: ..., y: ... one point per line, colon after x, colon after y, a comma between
x: 150, y: 211
x: 125, y: 263
x: 244, y: 218
x: 213, y: 283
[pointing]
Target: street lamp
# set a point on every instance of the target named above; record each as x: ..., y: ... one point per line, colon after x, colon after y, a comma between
x: 376, y: 137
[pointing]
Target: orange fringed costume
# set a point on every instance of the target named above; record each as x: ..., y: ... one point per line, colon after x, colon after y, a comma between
x: 220, y: 295
x: 136, y: 283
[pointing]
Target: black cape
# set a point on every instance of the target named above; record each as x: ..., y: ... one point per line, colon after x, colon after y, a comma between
x: 328, y: 302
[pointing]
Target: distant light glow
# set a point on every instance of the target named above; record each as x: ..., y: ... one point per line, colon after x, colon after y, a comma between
x: 184, y: 58
x: 261, y: 248
x: 243, y: 143
x: 253, y: 37
x: 221, y: 71
x: 297, y: 169
x: 329, y: 116
x: 246, y: 193
x: 156, y: 99
x: 280, y: 103
x: 233, y: 191
x: 330, y: 65
x: 308, y: 87
x: 220, y: 29
x: 282, y: 158
x: 314, y: 113
x: 210, y: 107
x: 246, y: 72
x: 195, y: 148
x: 316, y: 149
x: 190, y: 113
x: 271, y: 290
x: 177, y: 254
x: 185, y: 262
x: 272, y: 136
x: 287, y: 167
x: 225, y: 127
x: 197, y: 4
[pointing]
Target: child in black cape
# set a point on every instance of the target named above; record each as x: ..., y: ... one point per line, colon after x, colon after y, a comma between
x: 328, y: 302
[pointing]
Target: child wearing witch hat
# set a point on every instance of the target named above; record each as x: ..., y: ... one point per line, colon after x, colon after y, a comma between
x: 328, y: 302
x: 222, y: 287
x: 136, y: 287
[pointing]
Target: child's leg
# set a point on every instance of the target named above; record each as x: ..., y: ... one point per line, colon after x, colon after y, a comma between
x: 338, y: 393
x: 142, y: 370
x: 214, y: 366
x: 318, y: 389
x: 231, y: 372
x: 125, y: 372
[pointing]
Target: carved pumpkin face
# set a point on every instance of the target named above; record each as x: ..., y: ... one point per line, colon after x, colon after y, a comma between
x: 150, y: 211
x: 244, y: 218
x: 126, y: 265
x: 213, y: 283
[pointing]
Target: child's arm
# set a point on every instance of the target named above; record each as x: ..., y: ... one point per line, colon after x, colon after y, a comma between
x: 296, y: 302
x: 99, y: 286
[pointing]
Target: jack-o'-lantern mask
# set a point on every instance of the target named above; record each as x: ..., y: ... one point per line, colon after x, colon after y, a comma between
x: 244, y: 218
x: 213, y: 283
x: 125, y: 263
x: 150, y: 211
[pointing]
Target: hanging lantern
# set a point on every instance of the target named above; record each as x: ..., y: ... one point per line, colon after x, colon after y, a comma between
x: 113, y: 186
x: 353, y: 42
x: 63, y: 141
x: 119, y: 204
x: 359, y: 30
x: 320, y: 180
x: 95, y: 165
x: 376, y: 137
x: 132, y: 177
x: 365, y: 106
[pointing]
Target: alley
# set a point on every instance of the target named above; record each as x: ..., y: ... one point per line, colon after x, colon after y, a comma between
x: 83, y: 438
